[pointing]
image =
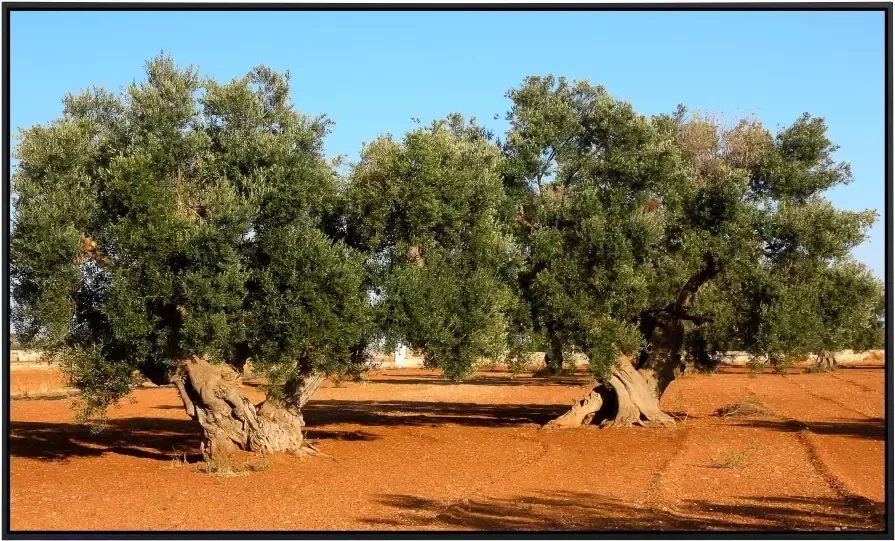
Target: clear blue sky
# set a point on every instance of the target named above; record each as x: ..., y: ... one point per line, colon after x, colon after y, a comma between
x: 371, y: 72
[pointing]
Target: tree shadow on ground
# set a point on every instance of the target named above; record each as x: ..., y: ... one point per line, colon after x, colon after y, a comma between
x: 565, y: 510
x: 140, y: 437
x: 490, y: 381
x: 319, y: 413
x: 870, y: 429
x: 162, y: 439
x: 407, y: 413
x: 485, y: 380
x: 342, y: 435
x: 846, y: 367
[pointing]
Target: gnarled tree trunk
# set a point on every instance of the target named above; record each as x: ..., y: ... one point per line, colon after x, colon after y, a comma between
x: 629, y: 398
x: 826, y: 362
x: 632, y: 393
x: 554, y: 360
x: 230, y: 421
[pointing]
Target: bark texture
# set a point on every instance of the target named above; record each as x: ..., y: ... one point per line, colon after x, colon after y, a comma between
x: 632, y: 393
x: 230, y: 421
x: 628, y: 399
x: 582, y: 412
x: 826, y: 362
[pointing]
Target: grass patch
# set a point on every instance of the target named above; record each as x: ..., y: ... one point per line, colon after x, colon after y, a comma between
x: 226, y: 468
x: 730, y: 460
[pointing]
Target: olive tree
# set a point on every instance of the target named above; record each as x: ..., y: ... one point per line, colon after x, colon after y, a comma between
x: 184, y: 226
x: 649, y: 236
x: 428, y: 212
x: 174, y: 231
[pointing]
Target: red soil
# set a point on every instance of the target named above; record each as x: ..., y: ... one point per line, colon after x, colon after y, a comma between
x: 408, y: 450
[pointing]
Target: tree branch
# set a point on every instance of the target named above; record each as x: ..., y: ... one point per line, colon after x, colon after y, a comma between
x: 699, y: 320
x: 678, y: 309
x: 522, y: 220
x: 187, y: 402
x: 542, y: 171
x: 709, y: 271
x: 307, y: 388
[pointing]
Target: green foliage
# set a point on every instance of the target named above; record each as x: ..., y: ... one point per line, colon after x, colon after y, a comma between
x: 427, y: 210
x: 622, y: 217
x: 586, y: 165
x: 181, y: 218
x: 696, y: 348
x: 782, y: 363
x: 756, y: 365
x: 191, y: 217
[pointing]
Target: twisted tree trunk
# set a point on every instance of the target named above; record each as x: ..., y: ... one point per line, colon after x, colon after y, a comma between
x: 230, y: 421
x: 630, y: 397
x: 632, y: 393
x: 826, y: 362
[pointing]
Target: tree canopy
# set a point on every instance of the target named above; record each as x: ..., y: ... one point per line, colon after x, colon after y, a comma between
x: 185, y: 223
x: 428, y: 211
x: 720, y: 227
x: 182, y: 218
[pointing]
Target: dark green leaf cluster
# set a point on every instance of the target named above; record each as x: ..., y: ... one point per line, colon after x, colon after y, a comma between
x: 182, y: 218
x: 428, y: 211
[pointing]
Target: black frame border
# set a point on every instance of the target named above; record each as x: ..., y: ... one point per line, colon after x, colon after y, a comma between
x: 886, y: 7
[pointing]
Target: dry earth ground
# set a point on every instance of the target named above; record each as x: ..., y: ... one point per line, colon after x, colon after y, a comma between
x: 408, y: 450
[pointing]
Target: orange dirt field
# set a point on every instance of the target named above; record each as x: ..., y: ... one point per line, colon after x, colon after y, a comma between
x: 408, y: 450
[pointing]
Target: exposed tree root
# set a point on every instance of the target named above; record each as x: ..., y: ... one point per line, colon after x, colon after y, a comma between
x: 630, y: 394
x: 584, y: 408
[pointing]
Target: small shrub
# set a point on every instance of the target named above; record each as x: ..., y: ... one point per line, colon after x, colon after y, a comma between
x: 551, y: 371
x: 732, y: 460
x: 708, y: 368
x: 263, y: 464
x: 226, y: 468
x: 178, y: 460
x: 756, y: 366
x: 782, y: 364
x: 223, y: 468
x: 747, y: 407
x: 520, y: 365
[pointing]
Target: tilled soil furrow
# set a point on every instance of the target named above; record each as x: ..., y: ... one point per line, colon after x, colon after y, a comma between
x: 408, y: 450
x: 848, y: 405
x: 655, y: 495
x: 835, y: 437
x: 861, y: 386
x: 750, y: 475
